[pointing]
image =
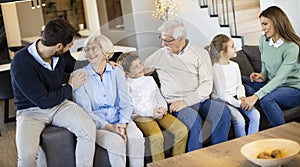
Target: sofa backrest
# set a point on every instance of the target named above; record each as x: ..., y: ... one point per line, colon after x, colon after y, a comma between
x: 253, y: 55
x: 244, y: 63
x: 248, y: 60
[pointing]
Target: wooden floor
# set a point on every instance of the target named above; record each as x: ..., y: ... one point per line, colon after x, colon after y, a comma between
x: 8, y: 150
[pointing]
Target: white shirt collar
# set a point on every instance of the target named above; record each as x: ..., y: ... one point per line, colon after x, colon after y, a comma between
x: 187, y: 46
x: 33, y: 51
x: 277, y: 44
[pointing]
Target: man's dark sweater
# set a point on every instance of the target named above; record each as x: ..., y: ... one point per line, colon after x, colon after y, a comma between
x: 37, y: 86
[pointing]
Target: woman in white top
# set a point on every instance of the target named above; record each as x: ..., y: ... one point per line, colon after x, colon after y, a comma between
x: 228, y: 84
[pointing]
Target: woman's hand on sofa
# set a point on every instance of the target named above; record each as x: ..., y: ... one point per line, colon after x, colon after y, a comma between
x: 249, y: 102
x: 257, y: 77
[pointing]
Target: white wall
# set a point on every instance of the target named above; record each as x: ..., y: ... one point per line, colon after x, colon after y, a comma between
x: 146, y: 27
x: 30, y: 20
x: 91, y: 13
x: 200, y: 27
x: 125, y: 36
x: 290, y: 7
x: 141, y: 27
x: 11, y: 22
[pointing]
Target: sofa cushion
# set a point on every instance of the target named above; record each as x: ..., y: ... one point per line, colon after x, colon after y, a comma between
x: 253, y: 54
x: 80, y: 64
x: 244, y: 63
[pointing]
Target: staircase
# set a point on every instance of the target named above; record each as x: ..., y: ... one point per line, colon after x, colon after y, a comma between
x: 247, y: 21
x: 242, y: 12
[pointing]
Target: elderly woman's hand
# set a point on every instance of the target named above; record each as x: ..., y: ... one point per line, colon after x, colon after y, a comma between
x: 119, y: 129
x: 114, y: 64
x: 122, y: 131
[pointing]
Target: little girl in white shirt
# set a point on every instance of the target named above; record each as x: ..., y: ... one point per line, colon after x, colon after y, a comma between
x: 228, y: 85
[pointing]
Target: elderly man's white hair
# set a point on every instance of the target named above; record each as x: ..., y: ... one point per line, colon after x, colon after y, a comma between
x: 175, y: 27
x: 104, y: 42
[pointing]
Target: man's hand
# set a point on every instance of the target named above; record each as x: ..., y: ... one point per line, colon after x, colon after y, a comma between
x: 78, y: 79
x: 177, y: 105
x: 257, y: 77
x: 249, y: 102
x: 242, y: 98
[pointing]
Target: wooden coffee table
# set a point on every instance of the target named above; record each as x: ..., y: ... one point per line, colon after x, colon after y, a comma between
x: 227, y: 154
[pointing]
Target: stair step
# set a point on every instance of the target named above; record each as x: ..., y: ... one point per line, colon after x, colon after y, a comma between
x: 248, y: 26
x: 243, y: 5
x: 252, y: 38
x: 240, y: 5
x: 244, y: 15
x: 247, y: 14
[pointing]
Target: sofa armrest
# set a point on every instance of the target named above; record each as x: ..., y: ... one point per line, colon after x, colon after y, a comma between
x: 59, y: 146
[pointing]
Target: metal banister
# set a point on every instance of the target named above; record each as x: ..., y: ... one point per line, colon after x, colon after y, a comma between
x: 227, y: 17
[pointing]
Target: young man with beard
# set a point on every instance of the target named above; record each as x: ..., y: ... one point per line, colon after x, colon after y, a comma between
x: 41, y: 97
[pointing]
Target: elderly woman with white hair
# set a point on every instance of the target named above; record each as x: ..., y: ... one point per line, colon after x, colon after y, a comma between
x: 105, y: 97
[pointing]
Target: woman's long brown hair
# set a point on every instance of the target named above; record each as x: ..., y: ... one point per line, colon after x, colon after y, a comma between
x: 282, y: 24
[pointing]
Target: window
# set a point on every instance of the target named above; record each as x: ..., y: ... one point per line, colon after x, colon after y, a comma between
x: 114, y: 14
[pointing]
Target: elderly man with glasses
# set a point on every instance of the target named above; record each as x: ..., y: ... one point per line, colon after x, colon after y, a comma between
x: 186, y: 79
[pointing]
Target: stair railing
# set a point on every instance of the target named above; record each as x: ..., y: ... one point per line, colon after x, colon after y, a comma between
x: 225, y: 13
x: 235, y: 33
x: 213, y: 8
x: 203, y: 3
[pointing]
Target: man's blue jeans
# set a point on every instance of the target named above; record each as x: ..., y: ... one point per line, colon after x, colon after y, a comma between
x: 214, y: 112
x: 273, y: 103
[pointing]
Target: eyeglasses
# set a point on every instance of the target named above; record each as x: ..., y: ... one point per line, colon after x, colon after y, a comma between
x: 93, y: 48
x: 166, y: 41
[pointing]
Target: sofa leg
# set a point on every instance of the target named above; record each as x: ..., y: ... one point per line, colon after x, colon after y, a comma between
x: 7, y: 119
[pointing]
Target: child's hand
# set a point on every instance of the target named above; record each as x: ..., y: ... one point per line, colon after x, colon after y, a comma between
x: 160, y: 112
x: 242, y: 98
x: 249, y: 102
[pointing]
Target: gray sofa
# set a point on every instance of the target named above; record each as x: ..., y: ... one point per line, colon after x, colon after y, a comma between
x: 249, y: 61
x: 59, y: 144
